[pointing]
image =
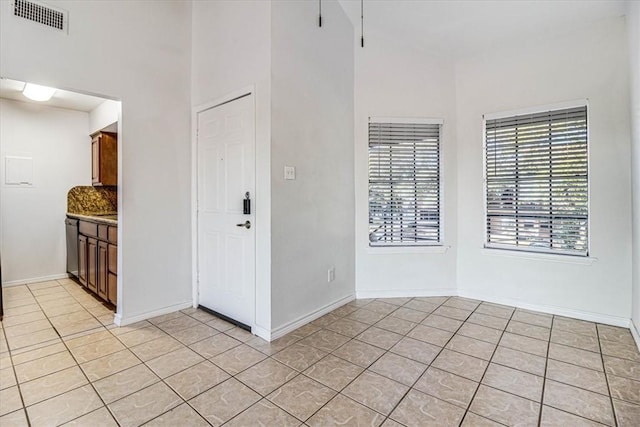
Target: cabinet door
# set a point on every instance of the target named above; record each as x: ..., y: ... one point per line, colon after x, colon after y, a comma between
x: 102, y: 270
x: 82, y: 259
x: 113, y: 259
x: 92, y: 269
x: 113, y: 288
x: 95, y: 160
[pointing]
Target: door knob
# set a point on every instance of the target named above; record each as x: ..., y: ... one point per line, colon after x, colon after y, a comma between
x: 246, y: 224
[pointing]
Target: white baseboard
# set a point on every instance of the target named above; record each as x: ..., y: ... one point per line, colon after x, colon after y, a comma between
x: 263, y: 333
x: 635, y: 333
x: 405, y: 293
x: 124, y: 321
x: 303, y: 320
x: 33, y: 280
x: 550, y: 309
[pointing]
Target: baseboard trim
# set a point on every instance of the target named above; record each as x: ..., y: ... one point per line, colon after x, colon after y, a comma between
x: 124, y: 321
x: 263, y: 333
x: 303, y: 320
x: 549, y: 309
x: 405, y: 293
x: 35, y: 280
x: 635, y: 333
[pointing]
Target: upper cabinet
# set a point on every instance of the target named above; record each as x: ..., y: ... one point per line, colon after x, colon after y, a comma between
x: 104, y: 158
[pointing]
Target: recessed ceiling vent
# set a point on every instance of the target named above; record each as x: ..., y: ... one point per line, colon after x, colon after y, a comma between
x: 38, y: 12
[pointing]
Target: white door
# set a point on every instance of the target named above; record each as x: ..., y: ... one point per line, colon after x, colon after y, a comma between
x: 226, y: 235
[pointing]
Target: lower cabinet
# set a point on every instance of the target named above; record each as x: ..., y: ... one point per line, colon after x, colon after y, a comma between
x: 92, y: 264
x: 97, y: 259
x: 112, y: 278
x: 102, y: 270
x: 82, y: 259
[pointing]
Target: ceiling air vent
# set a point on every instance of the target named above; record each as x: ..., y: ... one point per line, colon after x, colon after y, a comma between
x: 37, y: 12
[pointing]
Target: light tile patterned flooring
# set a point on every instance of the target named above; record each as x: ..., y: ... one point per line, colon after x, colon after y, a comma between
x: 405, y: 361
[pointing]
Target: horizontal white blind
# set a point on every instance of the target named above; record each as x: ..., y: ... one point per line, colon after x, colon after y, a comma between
x: 537, y: 181
x: 404, y: 183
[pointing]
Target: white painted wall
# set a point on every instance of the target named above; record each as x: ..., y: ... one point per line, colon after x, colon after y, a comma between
x: 104, y: 115
x: 141, y: 56
x: 312, y: 129
x: 32, y: 231
x: 394, y: 80
x: 231, y: 51
x: 633, y: 30
x: 588, y: 64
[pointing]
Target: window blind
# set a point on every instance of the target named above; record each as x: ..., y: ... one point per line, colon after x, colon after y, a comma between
x: 537, y: 182
x: 404, y: 183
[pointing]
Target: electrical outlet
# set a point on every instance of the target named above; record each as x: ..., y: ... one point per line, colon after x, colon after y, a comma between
x: 331, y: 274
x: 289, y: 172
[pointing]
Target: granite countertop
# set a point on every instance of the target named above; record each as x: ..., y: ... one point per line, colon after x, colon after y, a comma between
x: 108, y: 218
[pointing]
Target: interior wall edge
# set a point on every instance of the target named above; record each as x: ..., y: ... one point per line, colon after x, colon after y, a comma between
x: 303, y: 320
x: 549, y: 309
x: 635, y: 332
x: 32, y: 280
x: 119, y: 320
x: 405, y: 293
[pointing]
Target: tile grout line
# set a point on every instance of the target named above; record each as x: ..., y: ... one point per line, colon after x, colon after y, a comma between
x: 17, y: 386
x: 430, y: 363
x: 606, y: 378
x: 350, y: 339
x: 385, y: 417
x: 486, y: 369
x: 78, y: 365
x: 63, y: 342
x: 546, y: 368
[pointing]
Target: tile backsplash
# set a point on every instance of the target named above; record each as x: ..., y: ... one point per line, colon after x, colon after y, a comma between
x: 85, y: 200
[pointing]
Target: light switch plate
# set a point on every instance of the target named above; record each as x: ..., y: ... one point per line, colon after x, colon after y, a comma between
x: 289, y: 172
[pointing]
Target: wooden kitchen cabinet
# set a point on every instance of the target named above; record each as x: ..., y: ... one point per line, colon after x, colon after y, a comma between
x: 92, y: 264
x: 112, y: 271
x: 98, y: 258
x: 82, y: 259
x: 102, y: 270
x: 104, y: 158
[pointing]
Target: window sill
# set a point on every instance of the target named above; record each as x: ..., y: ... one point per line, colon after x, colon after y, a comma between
x: 563, y: 259
x: 381, y: 250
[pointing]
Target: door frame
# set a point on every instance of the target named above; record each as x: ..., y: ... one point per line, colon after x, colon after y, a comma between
x: 195, y: 285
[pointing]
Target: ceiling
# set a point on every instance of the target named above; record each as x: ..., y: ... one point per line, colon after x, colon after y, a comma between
x: 459, y: 27
x: 12, y: 89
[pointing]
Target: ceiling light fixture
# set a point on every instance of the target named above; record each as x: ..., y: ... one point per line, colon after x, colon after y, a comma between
x: 37, y: 92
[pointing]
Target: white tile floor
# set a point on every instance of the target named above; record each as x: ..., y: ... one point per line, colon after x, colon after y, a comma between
x: 406, y: 361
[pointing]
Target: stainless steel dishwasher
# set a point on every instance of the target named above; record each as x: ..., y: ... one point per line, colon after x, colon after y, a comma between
x: 72, y: 246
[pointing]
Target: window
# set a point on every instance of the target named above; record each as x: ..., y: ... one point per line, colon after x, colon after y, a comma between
x: 537, y: 181
x: 404, y: 182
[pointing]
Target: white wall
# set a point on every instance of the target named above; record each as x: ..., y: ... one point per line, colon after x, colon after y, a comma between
x: 104, y: 115
x: 589, y: 64
x: 312, y: 129
x: 633, y: 29
x: 231, y: 51
x: 32, y: 232
x: 141, y: 56
x: 392, y: 80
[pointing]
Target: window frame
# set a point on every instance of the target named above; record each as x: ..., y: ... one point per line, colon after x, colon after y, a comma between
x: 424, y: 246
x: 524, y: 251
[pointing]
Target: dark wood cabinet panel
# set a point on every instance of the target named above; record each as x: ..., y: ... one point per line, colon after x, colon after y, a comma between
x: 113, y: 288
x: 89, y: 229
x: 104, y: 158
x: 98, y: 258
x: 92, y: 264
x: 82, y: 259
x: 102, y: 269
x: 113, y: 235
x: 113, y: 259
